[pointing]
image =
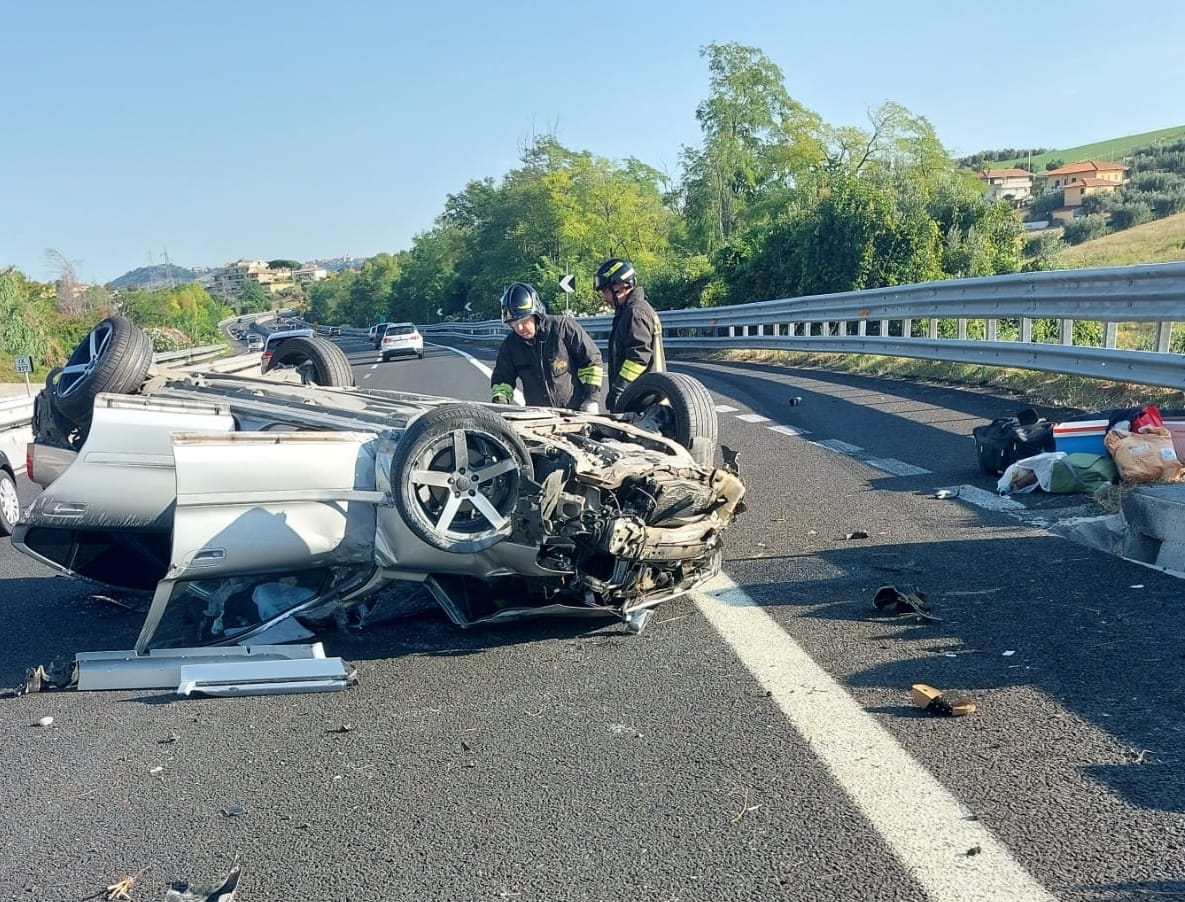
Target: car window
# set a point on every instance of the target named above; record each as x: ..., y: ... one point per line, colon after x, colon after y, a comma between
x: 401, y: 329
x: 199, y: 612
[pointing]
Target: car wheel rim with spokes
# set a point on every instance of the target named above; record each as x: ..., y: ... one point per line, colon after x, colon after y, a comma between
x: 464, y: 485
x: 10, y: 504
x: 84, y: 359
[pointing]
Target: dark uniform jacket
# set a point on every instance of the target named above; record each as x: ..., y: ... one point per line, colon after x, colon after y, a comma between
x: 635, y: 343
x: 559, y: 367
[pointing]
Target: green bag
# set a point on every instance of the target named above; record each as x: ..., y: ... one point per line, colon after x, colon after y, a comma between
x: 1082, y: 471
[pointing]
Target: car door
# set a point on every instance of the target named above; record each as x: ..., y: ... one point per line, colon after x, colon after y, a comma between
x: 266, y: 525
x: 107, y: 517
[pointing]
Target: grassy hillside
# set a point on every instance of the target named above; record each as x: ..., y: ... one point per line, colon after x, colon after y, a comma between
x: 1113, y: 149
x: 1160, y: 241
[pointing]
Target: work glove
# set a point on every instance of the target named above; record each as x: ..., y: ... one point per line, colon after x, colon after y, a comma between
x: 615, y: 390
x: 590, y: 407
x: 500, y: 399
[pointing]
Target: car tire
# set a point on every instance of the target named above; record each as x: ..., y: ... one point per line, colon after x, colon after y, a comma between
x: 461, y: 509
x: 679, y: 408
x: 420, y: 354
x: 115, y: 357
x: 10, y: 503
x: 330, y: 365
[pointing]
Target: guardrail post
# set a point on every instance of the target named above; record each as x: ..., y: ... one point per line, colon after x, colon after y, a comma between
x: 1026, y: 329
x: 962, y: 326
x: 1164, y: 337
x: 862, y: 328
x: 932, y: 330
x: 907, y: 328
x: 991, y: 329
x: 1110, y: 334
x: 1067, y: 330
x: 884, y: 328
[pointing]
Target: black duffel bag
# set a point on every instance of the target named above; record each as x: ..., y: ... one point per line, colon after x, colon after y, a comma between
x: 1006, y: 440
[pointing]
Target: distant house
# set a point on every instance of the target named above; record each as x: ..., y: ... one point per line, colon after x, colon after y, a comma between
x: 1013, y: 185
x: 1057, y: 179
x: 1080, y: 180
x: 229, y: 280
x: 310, y: 272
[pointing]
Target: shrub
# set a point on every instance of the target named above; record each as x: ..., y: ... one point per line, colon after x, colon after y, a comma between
x: 1041, y: 250
x: 1084, y: 228
x: 1044, y: 205
x: 1155, y: 181
x: 1167, y: 203
x: 1131, y: 214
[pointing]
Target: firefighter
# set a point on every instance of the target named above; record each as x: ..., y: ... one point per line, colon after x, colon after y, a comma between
x: 553, y: 357
x: 635, y: 341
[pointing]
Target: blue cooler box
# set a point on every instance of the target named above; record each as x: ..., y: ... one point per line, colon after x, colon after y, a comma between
x: 1080, y: 435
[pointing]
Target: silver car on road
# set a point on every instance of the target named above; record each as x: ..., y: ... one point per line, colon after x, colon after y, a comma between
x: 242, y: 501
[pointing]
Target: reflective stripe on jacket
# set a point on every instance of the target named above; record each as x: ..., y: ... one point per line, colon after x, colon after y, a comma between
x: 635, y: 343
x: 559, y: 367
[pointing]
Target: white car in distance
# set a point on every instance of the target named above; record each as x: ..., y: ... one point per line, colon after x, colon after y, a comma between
x: 401, y: 338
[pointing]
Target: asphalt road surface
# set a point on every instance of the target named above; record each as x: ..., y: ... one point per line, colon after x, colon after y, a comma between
x: 756, y: 742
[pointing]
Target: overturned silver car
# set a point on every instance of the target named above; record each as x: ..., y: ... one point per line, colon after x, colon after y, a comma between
x: 241, y: 502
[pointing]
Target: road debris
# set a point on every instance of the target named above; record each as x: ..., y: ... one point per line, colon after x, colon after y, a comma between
x: 45, y: 721
x: 795, y: 401
x: 856, y: 534
x: 936, y: 702
x: 120, y: 890
x: 223, y: 892
x: 944, y: 494
x: 907, y: 599
x: 233, y: 810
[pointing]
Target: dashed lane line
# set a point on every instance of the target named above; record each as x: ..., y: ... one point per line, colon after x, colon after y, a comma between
x: 752, y: 418
x: 788, y: 430
x: 834, y: 444
x: 896, y: 467
x: 929, y: 831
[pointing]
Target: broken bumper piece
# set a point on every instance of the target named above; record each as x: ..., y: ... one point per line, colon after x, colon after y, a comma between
x: 222, y: 671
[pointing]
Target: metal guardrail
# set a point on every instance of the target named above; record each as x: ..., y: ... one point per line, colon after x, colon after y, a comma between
x: 15, y: 412
x: 903, y: 321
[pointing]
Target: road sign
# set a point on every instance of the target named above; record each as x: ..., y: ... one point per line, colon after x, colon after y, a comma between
x: 440, y: 311
x: 468, y: 307
x: 566, y: 283
x: 24, y: 364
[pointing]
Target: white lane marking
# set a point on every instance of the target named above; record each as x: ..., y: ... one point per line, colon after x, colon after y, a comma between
x: 927, y: 828
x: 485, y: 370
x: 989, y: 500
x: 724, y: 408
x: 834, y: 444
x: 788, y: 430
x: 896, y: 467
x: 752, y: 418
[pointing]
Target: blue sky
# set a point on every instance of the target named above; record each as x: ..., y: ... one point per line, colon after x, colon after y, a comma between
x: 220, y: 130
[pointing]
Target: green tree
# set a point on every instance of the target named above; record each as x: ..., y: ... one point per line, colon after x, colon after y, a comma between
x: 254, y: 298
x: 24, y: 315
x: 328, y: 299
x: 368, y: 299
x: 755, y: 136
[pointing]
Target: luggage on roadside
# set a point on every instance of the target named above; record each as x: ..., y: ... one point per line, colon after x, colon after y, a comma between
x: 1146, y: 456
x: 1006, y: 440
